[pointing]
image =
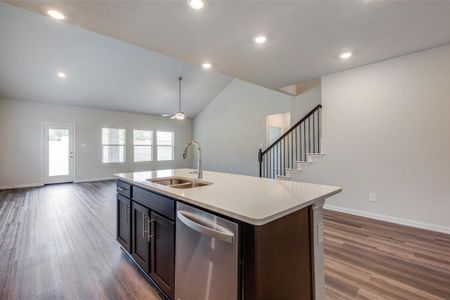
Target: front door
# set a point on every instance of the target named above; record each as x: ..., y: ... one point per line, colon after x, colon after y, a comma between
x: 59, y: 153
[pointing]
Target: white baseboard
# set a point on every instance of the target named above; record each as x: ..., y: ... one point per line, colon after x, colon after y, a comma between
x: 19, y: 186
x: 395, y: 220
x: 94, y: 179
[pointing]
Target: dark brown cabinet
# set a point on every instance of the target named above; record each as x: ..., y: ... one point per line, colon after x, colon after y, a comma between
x: 123, y: 222
x: 162, y: 253
x: 146, y: 231
x: 140, y: 228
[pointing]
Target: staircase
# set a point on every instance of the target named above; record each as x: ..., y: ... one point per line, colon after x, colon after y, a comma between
x: 295, y: 150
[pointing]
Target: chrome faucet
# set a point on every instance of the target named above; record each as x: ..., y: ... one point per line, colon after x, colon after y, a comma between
x: 199, y: 163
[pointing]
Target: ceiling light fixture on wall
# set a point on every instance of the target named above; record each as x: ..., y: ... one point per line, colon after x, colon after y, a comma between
x: 206, y: 65
x: 56, y: 14
x: 196, y: 4
x: 260, y: 39
x: 61, y: 75
x: 345, y: 55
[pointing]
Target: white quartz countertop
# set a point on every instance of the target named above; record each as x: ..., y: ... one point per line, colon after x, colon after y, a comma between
x: 253, y: 200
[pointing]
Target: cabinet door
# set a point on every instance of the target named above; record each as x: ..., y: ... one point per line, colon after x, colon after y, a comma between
x: 163, y: 253
x: 124, y: 222
x: 140, y: 228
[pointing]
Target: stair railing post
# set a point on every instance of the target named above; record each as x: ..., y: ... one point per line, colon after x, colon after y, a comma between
x: 260, y: 161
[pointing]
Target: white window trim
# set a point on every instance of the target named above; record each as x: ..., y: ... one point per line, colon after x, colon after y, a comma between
x: 124, y: 146
x: 173, y: 145
x: 151, y: 145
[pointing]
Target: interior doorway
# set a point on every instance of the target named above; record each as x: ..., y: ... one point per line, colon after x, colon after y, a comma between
x: 276, y: 125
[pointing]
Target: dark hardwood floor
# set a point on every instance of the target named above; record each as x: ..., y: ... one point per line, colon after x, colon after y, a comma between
x: 59, y: 242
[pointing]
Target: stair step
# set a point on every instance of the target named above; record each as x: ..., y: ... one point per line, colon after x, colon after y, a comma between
x: 311, y: 156
x: 293, y: 170
x: 303, y: 164
x: 319, y: 154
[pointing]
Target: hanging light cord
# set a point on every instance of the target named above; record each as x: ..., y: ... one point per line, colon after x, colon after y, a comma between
x: 179, y: 94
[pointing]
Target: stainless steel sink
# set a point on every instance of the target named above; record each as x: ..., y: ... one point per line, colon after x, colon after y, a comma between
x: 170, y: 181
x: 179, y: 183
x: 189, y: 185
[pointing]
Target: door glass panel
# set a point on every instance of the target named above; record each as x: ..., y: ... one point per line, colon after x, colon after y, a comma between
x: 58, y: 152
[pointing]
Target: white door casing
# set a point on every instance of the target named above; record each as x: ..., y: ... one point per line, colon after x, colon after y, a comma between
x: 59, y: 154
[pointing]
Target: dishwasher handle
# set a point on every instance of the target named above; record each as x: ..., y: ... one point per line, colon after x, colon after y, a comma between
x: 222, y: 234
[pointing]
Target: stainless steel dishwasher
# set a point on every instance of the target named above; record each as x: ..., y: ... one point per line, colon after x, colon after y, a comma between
x: 206, y: 259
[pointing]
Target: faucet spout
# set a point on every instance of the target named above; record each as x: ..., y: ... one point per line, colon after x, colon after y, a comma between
x: 199, y: 161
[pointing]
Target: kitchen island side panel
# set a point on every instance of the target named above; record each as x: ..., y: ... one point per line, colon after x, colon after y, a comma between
x: 278, y: 258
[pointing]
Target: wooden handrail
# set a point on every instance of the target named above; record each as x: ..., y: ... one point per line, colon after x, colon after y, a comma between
x: 292, y: 128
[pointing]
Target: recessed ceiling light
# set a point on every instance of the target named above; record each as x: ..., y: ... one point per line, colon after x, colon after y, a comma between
x: 345, y: 55
x: 56, y: 14
x: 260, y: 39
x: 61, y: 75
x: 196, y: 4
x: 206, y: 65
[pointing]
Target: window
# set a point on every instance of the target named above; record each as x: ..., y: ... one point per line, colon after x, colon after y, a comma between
x: 142, y: 141
x: 164, y: 142
x: 113, y: 145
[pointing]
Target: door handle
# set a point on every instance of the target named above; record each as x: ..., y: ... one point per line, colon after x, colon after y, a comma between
x: 127, y: 214
x: 219, y: 232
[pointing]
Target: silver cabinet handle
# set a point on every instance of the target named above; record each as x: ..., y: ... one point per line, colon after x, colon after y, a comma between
x: 148, y: 227
x: 143, y: 226
x: 119, y: 189
x: 219, y: 232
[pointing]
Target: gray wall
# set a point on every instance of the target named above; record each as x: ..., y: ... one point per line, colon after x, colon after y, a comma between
x: 386, y: 130
x: 232, y: 127
x: 21, y: 136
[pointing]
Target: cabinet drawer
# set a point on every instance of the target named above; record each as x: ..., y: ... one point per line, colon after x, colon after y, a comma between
x: 158, y: 203
x: 124, y: 188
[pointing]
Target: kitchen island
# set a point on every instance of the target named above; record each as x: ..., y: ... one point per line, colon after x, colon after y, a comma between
x: 273, y: 248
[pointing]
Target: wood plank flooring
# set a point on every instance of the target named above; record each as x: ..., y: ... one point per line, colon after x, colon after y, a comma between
x: 367, y: 259
x: 58, y: 242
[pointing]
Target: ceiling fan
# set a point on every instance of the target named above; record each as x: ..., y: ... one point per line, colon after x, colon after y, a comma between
x: 179, y: 115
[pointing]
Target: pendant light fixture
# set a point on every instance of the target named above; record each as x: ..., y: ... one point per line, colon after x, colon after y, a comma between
x: 179, y: 115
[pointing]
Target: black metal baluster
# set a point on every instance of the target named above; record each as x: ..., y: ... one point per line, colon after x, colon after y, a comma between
x: 286, y: 139
x: 272, y: 162
x: 280, y: 148
x: 296, y: 143
x: 318, y: 128
x: 263, y: 166
x: 304, y: 142
x: 284, y: 157
x: 309, y: 136
x: 292, y: 150
x: 314, y: 133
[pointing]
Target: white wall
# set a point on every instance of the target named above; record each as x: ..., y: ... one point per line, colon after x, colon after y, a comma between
x: 386, y: 130
x: 309, y: 97
x: 21, y: 136
x: 233, y: 126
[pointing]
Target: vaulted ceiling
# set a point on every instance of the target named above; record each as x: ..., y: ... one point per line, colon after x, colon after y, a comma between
x: 102, y: 72
x: 304, y: 37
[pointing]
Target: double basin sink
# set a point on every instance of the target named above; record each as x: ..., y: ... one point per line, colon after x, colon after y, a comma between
x: 179, y: 183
